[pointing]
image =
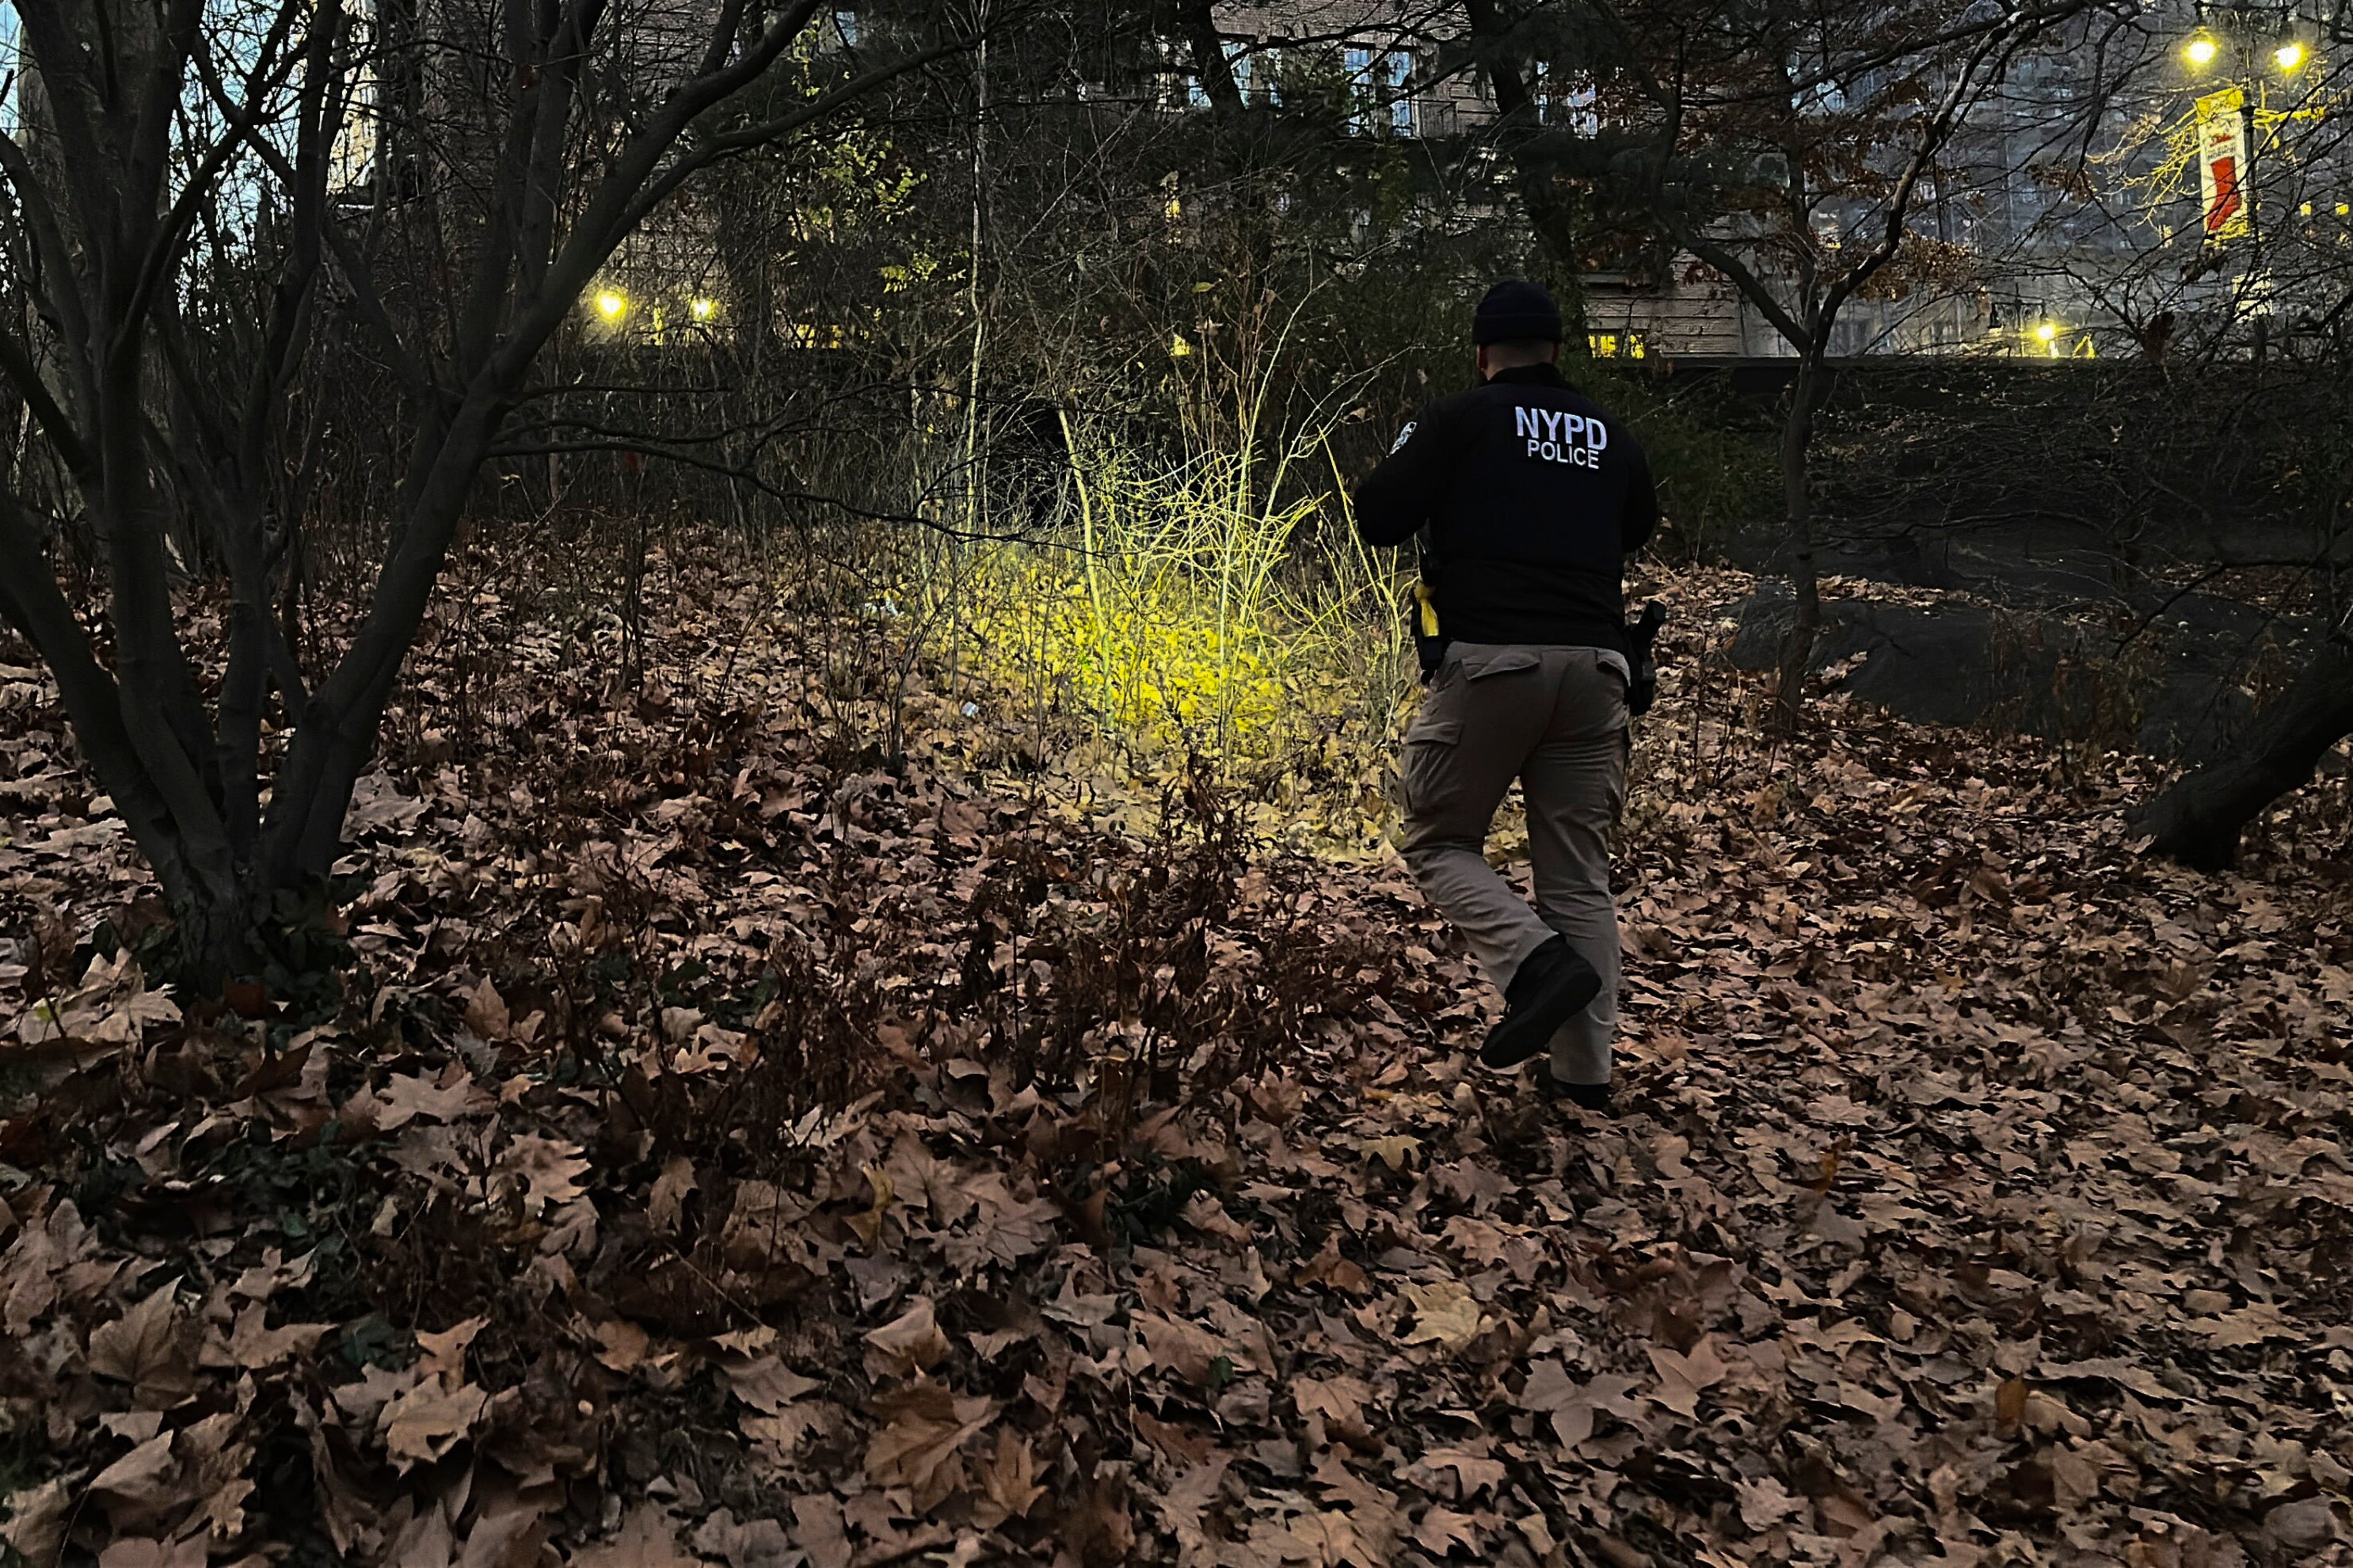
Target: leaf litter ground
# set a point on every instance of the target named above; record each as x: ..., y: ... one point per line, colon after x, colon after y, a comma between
x: 726, y: 1150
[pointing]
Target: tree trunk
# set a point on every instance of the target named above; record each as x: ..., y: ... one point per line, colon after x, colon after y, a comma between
x: 1198, y: 21
x: 1796, y: 499
x: 2199, y: 820
x: 1551, y: 215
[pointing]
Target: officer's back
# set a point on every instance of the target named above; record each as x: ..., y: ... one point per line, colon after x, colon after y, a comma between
x: 1527, y: 497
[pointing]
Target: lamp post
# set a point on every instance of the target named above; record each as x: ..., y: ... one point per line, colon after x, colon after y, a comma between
x: 2248, y: 42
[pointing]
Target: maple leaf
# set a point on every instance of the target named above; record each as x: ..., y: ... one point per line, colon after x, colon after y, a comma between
x: 143, y: 1348
x: 747, y: 1543
x: 1005, y: 1229
x: 917, y: 1448
x: 1339, y: 1399
x: 486, y: 1011
x: 1473, y: 1473
x: 1008, y: 1483
x: 1186, y: 1349
x: 255, y: 1346
x: 1329, y: 1267
x: 429, y: 1419
x: 913, y: 1339
x: 1101, y: 1531
x: 142, y: 1483
x: 1573, y: 1406
x: 404, y: 1098
x: 818, y: 1530
x: 130, y: 1552
x: 1440, y: 1530
x: 36, y: 1519
x: 647, y: 1538
x: 1766, y: 1502
x: 1445, y: 1313
x: 1178, y: 1443
x: 1325, y: 1540
x: 666, y: 1204
x: 621, y: 1344
x: 1684, y: 1378
x: 768, y: 1384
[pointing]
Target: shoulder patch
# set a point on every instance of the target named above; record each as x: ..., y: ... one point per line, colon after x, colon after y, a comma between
x: 1403, y: 436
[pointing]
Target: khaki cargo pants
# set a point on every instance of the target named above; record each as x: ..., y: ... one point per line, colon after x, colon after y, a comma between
x: 1555, y: 719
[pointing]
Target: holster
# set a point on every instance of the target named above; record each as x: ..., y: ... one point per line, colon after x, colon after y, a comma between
x: 1641, y: 640
x: 1429, y: 642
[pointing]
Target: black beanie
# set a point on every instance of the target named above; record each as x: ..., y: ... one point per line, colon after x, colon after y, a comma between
x: 1517, y: 312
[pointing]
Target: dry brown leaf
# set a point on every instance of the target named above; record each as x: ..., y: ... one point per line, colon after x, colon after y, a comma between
x: 445, y: 1352
x: 144, y: 1349
x: 405, y: 1099
x: 1186, y: 1349
x: 1445, y: 1314
x: 648, y: 1539
x: 768, y: 1384
x: 747, y: 1543
x: 912, y: 1339
x: 551, y: 1170
x: 666, y: 1206
x: 136, y: 1553
x: 1684, y: 1378
x: 926, y: 1425
x: 1572, y: 1404
x: 486, y: 1011
x: 1008, y: 1483
x: 430, y: 1419
x: 817, y: 1530
x: 1440, y: 1530
x: 1328, y: 1268
x: 257, y: 1347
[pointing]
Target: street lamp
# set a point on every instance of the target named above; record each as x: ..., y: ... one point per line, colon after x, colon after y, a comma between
x: 2290, y: 56
x: 2200, y: 50
x: 612, y: 304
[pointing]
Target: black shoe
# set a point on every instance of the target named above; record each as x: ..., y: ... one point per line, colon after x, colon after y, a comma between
x: 1593, y: 1097
x: 1553, y: 986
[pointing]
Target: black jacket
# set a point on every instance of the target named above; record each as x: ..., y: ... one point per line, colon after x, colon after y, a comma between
x: 1528, y: 500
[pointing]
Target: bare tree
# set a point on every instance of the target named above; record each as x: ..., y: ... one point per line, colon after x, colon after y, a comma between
x: 154, y: 122
x: 1785, y: 147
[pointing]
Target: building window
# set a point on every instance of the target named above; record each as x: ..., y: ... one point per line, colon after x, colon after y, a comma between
x: 1401, y: 106
x: 1567, y: 100
x: 1617, y: 345
x: 1376, y: 89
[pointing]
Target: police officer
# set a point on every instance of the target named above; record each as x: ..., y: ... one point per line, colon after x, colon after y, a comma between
x: 1527, y: 499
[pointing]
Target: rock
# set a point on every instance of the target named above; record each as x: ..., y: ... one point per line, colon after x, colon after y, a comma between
x: 2305, y: 1526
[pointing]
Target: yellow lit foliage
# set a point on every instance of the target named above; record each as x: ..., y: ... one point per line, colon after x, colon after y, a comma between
x: 1180, y: 612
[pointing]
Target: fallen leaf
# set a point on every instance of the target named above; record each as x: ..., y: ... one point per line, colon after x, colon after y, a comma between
x: 429, y: 1420
x: 913, y: 1339
x: 917, y: 1447
x: 1684, y: 1378
x: 1445, y: 1313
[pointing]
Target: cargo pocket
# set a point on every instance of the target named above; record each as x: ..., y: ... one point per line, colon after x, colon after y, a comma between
x: 1488, y: 663
x: 1429, y: 753
x: 1618, y: 786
